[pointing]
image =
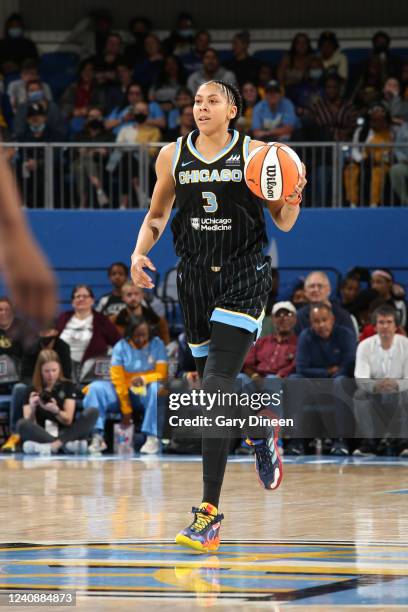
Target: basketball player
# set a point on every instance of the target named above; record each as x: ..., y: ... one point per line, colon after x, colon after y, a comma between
x: 223, y: 277
x: 30, y: 281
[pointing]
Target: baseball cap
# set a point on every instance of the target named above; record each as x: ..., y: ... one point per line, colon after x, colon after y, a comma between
x: 34, y: 110
x: 283, y: 306
x: 272, y: 86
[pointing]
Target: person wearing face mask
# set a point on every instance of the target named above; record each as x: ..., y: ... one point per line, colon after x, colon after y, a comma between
x: 181, y: 40
x: 54, y: 117
x: 137, y: 132
x: 15, y: 47
x: 305, y: 93
x: 17, y: 90
x: 88, y: 167
x: 31, y: 160
x: 47, y: 339
x: 138, y: 365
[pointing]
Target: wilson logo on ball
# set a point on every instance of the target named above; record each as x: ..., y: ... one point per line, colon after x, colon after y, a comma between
x: 272, y: 171
x: 271, y: 181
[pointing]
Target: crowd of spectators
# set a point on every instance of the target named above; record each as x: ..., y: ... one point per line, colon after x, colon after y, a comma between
x: 119, y: 359
x: 141, y: 90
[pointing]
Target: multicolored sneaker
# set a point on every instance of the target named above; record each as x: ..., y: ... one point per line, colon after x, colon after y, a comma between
x: 268, y: 463
x: 204, y: 532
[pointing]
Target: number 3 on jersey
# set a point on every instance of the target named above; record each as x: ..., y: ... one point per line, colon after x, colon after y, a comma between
x: 211, y: 198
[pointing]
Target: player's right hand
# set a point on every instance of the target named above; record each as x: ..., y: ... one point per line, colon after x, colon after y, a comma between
x: 139, y: 277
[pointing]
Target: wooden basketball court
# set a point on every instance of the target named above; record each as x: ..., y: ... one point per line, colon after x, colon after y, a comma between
x: 334, y: 536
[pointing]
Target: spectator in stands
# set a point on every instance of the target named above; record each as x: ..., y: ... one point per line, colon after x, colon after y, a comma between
x: 381, y: 374
x: 113, y: 94
x: 11, y: 332
x: 298, y: 297
x: 107, y: 62
x: 112, y: 303
x: 91, y: 32
x: 54, y: 118
x: 373, y: 161
x: 404, y: 80
x: 139, y: 131
x: 51, y: 399
x: 334, y: 61
x: 390, y: 63
x: 211, y: 69
x: 15, y: 48
x: 382, y: 281
x: 274, y: 354
x: 47, y: 339
x: 147, y: 70
x: 242, y: 64
x: 138, y: 365
x: 294, y: 66
x: 139, y: 27
x: 274, y: 117
x: 136, y: 307
x: 399, y: 170
x: 168, y: 82
x: 181, y: 40
x: 334, y: 118
x: 192, y: 61
x: 368, y: 90
x: 324, y: 350
x: 124, y: 114
x: 183, y: 98
x: 397, y: 107
x: 31, y: 161
x: 305, y: 93
x: 88, y: 333
x: 88, y: 167
x: 17, y: 90
x: 81, y: 95
x: 317, y: 290
x: 186, y: 126
x: 349, y: 291
x: 250, y: 99
x: 265, y: 75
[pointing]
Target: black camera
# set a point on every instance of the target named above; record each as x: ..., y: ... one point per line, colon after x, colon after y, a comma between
x: 45, y: 397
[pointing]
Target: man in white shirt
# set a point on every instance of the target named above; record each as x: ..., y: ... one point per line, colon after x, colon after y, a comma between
x: 381, y: 373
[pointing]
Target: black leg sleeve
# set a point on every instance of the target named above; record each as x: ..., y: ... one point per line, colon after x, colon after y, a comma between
x: 228, y: 348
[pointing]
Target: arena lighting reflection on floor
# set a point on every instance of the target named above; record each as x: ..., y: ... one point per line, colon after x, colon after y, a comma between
x: 312, y: 573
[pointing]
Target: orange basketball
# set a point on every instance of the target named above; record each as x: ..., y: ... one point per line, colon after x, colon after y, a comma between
x: 272, y: 171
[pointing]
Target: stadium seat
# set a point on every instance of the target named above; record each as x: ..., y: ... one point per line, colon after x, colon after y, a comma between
x: 58, y: 69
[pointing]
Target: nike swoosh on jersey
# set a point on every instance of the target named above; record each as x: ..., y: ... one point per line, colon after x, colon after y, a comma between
x: 260, y: 268
x: 186, y: 163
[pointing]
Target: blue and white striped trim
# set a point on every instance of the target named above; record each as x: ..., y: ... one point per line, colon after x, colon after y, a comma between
x: 224, y: 151
x: 238, y: 319
x: 176, y: 156
x: 200, y: 350
x: 245, y: 149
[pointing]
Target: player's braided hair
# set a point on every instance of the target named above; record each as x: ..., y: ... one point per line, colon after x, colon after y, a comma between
x: 232, y: 94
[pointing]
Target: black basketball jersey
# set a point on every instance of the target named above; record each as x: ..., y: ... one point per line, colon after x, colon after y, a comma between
x: 218, y: 218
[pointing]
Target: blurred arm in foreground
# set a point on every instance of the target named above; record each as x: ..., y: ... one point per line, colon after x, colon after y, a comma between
x: 26, y: 272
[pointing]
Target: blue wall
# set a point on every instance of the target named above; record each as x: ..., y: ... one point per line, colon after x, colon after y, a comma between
x: 338, y: 238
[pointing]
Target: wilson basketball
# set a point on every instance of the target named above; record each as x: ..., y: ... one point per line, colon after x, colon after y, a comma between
x: 272, y: 171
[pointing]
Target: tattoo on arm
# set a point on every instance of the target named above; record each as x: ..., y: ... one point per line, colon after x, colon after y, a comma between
x: 155, y: 232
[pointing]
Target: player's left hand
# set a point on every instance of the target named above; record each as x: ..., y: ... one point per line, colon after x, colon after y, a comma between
x: 296, y: 197
x: 139, y: 277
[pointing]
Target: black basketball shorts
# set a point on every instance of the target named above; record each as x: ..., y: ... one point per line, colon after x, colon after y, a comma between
x: 235, y: 294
